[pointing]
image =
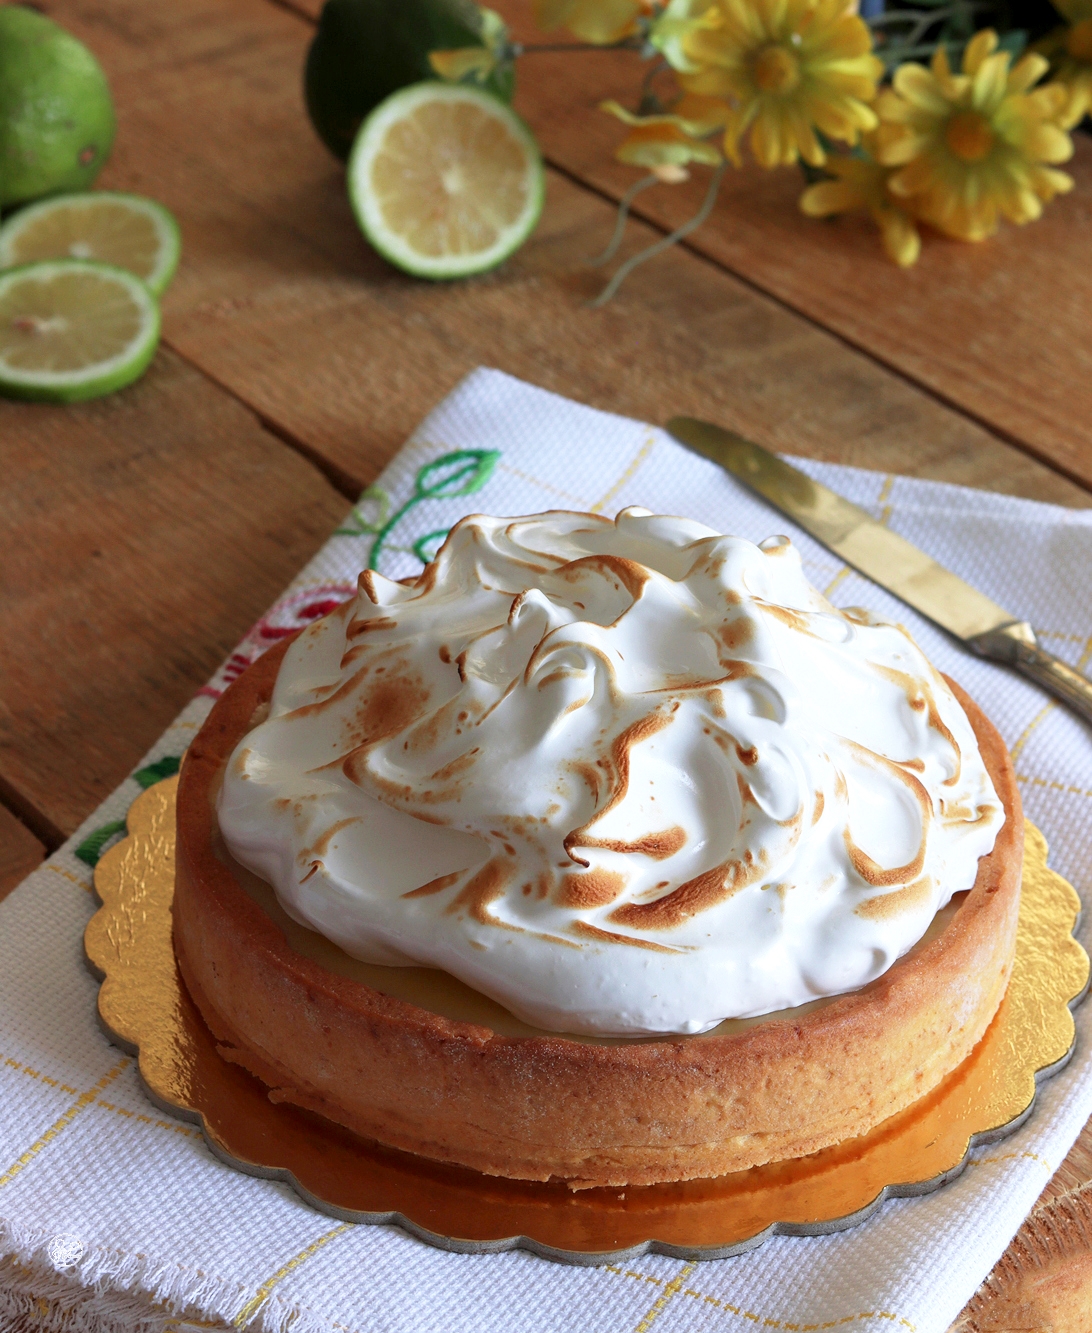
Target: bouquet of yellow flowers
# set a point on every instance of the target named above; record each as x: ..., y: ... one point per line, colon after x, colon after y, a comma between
x: 942, y: 113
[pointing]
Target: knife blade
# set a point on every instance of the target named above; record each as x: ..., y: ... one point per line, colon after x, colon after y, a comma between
x: 887, y: 559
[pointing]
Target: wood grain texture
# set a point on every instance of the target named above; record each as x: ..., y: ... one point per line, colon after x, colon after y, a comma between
x: 279, y: 298
x: 1001, y: 329
x: 20, y: 852
x: 1043, y: 1282
x: 144, y: 533
x: 201, y: 517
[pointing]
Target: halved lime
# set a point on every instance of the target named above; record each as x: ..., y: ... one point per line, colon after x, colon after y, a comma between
x: 72, y: 329
x: 445, y: 180
x: 125, y: 230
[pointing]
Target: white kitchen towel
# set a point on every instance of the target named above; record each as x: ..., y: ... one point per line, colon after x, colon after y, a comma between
x: 98, y: 1189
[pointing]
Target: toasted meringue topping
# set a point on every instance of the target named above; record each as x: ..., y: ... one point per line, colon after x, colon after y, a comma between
x: 625, y: 778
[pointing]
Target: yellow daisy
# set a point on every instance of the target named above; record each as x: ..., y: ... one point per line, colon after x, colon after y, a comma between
x: 861, y: 182
x: 1070, y: 52
x: 974, y: 146
x: 789, y: 68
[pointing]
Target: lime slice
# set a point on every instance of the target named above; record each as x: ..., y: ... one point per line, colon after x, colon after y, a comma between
x: 72, y: 329
x: 120, y: 229
x: 445, y: 180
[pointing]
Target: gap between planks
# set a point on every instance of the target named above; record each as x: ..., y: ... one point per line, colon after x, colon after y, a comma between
x: 342, y: 481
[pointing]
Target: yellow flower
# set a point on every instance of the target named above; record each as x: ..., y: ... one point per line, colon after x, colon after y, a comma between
x: 1070, y: 53
x: 861, y: 182
x: 975, y: 145
x: 678, y: 21
x: 665, y: 150
x: 597, y: 21
x: 788, y: 67
x: 474, y: 64
x: 666, y: 143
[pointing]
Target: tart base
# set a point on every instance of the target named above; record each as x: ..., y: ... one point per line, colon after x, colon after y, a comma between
x: 145, y: 1009
x: 551, y: 1107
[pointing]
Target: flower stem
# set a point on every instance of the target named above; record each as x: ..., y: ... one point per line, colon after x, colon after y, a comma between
x: 650, y: 252
x: 517, y: 49
x: 623, y: 214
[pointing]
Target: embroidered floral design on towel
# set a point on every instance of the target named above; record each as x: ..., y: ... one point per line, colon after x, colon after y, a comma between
x: 447, y: 478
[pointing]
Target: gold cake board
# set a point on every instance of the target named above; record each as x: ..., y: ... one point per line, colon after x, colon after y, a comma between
x: 144, y: 1007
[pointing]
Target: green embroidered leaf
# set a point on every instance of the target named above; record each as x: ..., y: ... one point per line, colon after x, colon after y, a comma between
x: 357, y: 525
x: 92, y: 846
x: 166, y: 767
x: 425, y: 548
x: 460, y: 473
x: 90, y: 850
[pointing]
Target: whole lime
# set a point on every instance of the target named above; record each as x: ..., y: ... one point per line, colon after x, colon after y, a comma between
x: 56, y: 115
x: 365, y: 50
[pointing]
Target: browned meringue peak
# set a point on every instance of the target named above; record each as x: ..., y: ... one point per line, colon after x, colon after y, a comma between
x: 623, y: 777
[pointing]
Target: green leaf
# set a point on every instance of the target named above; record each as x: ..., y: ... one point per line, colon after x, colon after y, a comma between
x: 460, y: 473
x: 166, y: 767
x: 92, y: 846
x: 1014, y: 42
x: 425, y: 548
x: 357, y: 525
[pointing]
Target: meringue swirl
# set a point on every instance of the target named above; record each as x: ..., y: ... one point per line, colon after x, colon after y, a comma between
x: 625, y: 778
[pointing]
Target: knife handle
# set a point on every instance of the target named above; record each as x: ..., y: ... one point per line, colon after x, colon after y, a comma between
x: 1017, y: 646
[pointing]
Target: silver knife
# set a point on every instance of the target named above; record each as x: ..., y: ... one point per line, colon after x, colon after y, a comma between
x: 889, y: 560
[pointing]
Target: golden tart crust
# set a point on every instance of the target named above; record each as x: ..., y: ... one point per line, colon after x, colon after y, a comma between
x: 541, y: 1107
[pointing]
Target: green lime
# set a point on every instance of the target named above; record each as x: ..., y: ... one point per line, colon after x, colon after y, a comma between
x: 72, y: 329
x: 445, y: 180
x: 56, y: 115
x: 365, y: 50
x: 125, y: 230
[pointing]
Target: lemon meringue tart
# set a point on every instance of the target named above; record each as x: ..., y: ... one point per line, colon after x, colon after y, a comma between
x: 605, y: 851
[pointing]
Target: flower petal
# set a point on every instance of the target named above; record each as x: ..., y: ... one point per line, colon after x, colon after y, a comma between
x: 463, y: 62
x: 827, y: 197
x: 896, y: 152
x: 912, y: 179
x: 900, y: 236
x: 1022, y: 207
x: 981, y: 45
x: 990, y: 83
x: 601, y: 21
x: 1027, y: 72
x: 1046, y: 182
x: 920, y: 88
x: 1048, y: 143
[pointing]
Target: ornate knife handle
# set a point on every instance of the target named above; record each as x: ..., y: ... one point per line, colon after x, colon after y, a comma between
x: 1017, y: 646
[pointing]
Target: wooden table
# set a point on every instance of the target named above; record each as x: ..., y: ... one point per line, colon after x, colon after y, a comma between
x: 144, y: 533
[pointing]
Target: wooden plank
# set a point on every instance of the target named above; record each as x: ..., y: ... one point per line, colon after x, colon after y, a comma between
x: 1043, y: 1281
x: 279, y: 298
x: 143, y: 534
x: 1000, y: 329
x: 20, y: 852
x: 1074, y: 1172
